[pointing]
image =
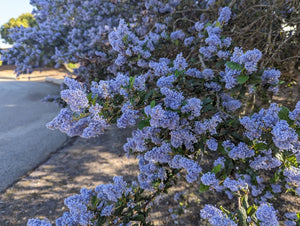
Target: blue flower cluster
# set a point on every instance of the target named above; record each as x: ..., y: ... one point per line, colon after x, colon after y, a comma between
x: 183, y: 83
x: 215, y: 216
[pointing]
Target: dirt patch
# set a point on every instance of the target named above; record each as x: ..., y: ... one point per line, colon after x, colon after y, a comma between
x: 39, y: 74
x: 87, y: 163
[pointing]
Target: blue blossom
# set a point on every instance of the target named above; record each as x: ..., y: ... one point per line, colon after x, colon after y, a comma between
x: 38, y: 222
x: 112, y: 192
x: 253, y: 130
x: 213, y: 123
x: 257, y: 190
x: 235, y: 185
x: 173, y: 99
x: 223, y: 54
x: 193, y: 72
x: 271, y: 76
x: 283, y: 136
x: 290, y: 223
x: 177, y: 35
x: 295, y: 114
x: 72, y: 83
x: 199, y: 26
x: 292, y: 175
x: 212, y: 144
x: 268, y: 117
x: 237, y: 55
x: 128, y: 117
x: 194, y: 106
x: 160, y: 154
x: 213, y: 41
x: 212, y: 86
x: 95, y: 109
x: 166, y: 81
x: 208, y: 124
x: 140, y: 82
x: 193, y: 169
x: 230, y: 81
x: 66, y: 219
x: 276, y: 188
x: 208, y: 74
x: 142, y: 63
x: 215, y: 216
x: 250, y: 59
x: 63, y: 121
x: 161, y: 68
x: 241, y: 151
x: 161, y: 118
x: 201, y: 127
x: 228, y: 145
x: 102, y: 89
x: 209, y: 179
x: 77, y: 205
x: 188, y: 41
x: 121, y: 60
x: 76, y: 99
x: 107, y: 210
x: 266, y: 215
x: 208, y: 52
x: 96, y: 126
x: 180, y: 62
x: 159, y: 27
x: 291, y: 215
x: 226, y: 42
x: 265, y: 163
x: 183, y: 136
x: 224, y: 15
x: 211, y: 30
x: 220, y: 161
x: 230, y: 104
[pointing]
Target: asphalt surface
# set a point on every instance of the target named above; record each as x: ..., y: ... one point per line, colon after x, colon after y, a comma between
x: 25, y: 141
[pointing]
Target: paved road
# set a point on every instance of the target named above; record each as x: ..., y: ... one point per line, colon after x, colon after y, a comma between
x: 24, y: 139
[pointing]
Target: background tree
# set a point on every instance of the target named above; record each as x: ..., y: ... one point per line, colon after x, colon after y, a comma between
x: 25, y: 20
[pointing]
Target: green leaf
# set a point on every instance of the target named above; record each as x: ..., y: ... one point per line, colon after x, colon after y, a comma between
x: 298, y: 132
x: 260, y: 146
x: 94, y: 201
x: 203, y: 188
x: 125, y: 39
x: 217, y: 168
x: 293, y: 160
x: 217, y: 24
x: 208, y: 108
x: 251, y: 210
x: 255, y: 80
x: 89, y: 97
x: 131, y: 81
x: 234, y: 66
x: 284, y: 115
x: 143, y: 123
x: 139, y: 217
x: 94, y: 100
x: 152, y: 104
x: 207, y: 24
x: 241, y: 79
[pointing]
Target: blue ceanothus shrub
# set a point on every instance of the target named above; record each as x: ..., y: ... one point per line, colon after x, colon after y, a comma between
x: 187, y: 89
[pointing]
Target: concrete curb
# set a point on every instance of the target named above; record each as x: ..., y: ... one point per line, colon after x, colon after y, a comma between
x: 55, y: 81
